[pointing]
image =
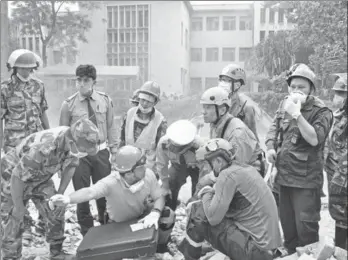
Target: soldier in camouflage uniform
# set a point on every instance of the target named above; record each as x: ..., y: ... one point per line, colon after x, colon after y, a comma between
x: 23, y: 106
x: 27, y: 174
x: 336, y: 164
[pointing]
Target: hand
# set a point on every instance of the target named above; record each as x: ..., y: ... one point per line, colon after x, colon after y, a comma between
x: 189, y: 207
x: 292, y: 108
x: 274, y: 173
x: 151, y: 220
x: 207, y: 180
x: 60, y: 200
x: 271, y: 155
x: 204, y: 190
x: 18, y: 212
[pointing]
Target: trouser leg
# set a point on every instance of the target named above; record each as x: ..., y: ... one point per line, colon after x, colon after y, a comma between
x: 177, y: 178
x: 341, y: 237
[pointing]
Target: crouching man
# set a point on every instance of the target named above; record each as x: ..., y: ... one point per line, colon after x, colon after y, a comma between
x: 131, y: 192
x: 27, y: 174
x: 238, y: 215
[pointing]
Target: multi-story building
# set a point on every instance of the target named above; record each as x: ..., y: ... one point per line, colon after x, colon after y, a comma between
x: 181, y: 46
x: 153, y: 35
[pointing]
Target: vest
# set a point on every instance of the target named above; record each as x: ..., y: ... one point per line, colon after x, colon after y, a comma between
x: 147, y: 138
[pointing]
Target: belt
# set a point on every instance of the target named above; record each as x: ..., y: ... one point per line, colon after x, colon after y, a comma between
x: 103, y: 146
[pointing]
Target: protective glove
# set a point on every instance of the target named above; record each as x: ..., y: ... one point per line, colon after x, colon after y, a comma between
x: 204, y: 190
x: 207, y: 180
x: 274, y: 173
x: 150, y: 220
x: 271, y: 155
x: 60, y: 200
x: 292, y: 108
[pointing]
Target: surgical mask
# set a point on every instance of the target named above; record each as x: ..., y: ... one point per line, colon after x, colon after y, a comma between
x: 136, y: 186
x: 225, y: 85
x: 298, y: 96
x: 23, y: 79
x: 144, y: 110
x: 338, y: 101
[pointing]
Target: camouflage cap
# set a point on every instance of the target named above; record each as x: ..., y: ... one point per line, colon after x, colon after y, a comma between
x: 85, y: 130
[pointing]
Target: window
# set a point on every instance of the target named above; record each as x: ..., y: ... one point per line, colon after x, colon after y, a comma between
x: 122, y: 16
x: 115, y: 9
x: 262, y: 35
x: 212, y: 54
x: 31, y: 43
x: 197, y: 24
x: 270, y: 33
x: 271, y: 15
x: 281, y: 14
x: 228, y: 54
x: 186, y: 39
x: 128, y: 17
x: 244, y: 23
x: 244, y: 54
x: 210, y: 82
x: 182, y: 33
x: 146, y: 16
x: 134, y: 16
x: 37, y: 45
x: 229, y: 23
x: 24, y: 43
x: 195, y: 85
x: 212, y: 23
x: 140, y: 16
x: 57, y: 57
x: 263, y: 15
x: 196, y: 54
x: 71, y: 58
x: 109, y: 8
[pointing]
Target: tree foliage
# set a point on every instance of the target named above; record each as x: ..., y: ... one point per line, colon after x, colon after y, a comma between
x: 54, y: 25
x: 274, y: 54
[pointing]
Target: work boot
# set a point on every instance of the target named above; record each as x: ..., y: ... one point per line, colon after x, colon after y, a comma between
x: 57, y: 253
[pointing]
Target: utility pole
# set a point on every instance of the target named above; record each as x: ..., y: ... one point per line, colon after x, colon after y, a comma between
x: 4, y: 38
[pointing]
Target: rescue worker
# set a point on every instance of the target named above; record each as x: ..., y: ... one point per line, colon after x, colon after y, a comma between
x: 336, y: 164
x: 27, y: 174
x: 177, y: 147
x: 236, y: 212
x: 131, y: 181
x: 299, y: 131
x: 216, y: 105
x: 134, y: 101
x: 232, y: 78
x: 98, y: 107
x: 23, y: 109
x: 144, y: 125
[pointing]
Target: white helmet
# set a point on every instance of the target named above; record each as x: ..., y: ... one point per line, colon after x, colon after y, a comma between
x: 23, y: 58
x: 181, y: 132
x: 215, y: 96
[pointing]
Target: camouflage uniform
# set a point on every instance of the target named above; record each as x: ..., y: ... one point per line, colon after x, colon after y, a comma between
x: 22, y: 105
x: 336, y: 169
x: 34, y: 161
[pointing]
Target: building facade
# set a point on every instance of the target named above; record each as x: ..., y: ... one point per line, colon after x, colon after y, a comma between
x: 181, y: 46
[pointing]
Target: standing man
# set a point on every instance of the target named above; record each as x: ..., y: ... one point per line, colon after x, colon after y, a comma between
x: 232, y: 78
x: 144, y: 125
x: 178, y: 148
x: 304, y: 123
x: 98, y: 107
x: 27, y: 174
x: 134, y: 101
x: 23, y: 108
x: 216, y: 105
x: 336, y: 163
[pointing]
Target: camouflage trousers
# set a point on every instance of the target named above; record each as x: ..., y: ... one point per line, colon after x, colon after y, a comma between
x: 13, y: 228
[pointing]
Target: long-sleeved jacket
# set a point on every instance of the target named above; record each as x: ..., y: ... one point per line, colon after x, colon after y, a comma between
x: 75, y: 107
x: 300, y: 164
x: 336, y: 169
x: 236, y: 132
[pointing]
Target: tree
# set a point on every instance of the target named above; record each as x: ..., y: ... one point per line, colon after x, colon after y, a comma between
x: 323, y: 26
x: 274, y: 54
x: 54, y: 27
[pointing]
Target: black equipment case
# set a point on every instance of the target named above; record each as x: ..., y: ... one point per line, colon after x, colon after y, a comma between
x: 115, y: 241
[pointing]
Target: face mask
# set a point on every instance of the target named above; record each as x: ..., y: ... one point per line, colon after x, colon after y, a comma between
x: 298, y: 96
x: 338, y: 101
x: 144, y: 110
x: 136, y: 186
x: 225, y: 85
x: 23, y: 79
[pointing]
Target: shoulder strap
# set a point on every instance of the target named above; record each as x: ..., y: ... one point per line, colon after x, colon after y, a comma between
x: 225, y: 126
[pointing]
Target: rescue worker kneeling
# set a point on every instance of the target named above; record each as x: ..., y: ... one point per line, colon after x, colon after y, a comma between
x: 131, y: 192
x: 238, y: 215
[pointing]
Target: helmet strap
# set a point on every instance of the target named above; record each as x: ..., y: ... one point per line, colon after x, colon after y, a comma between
x: 233, y: 90
x: 217, y: 114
